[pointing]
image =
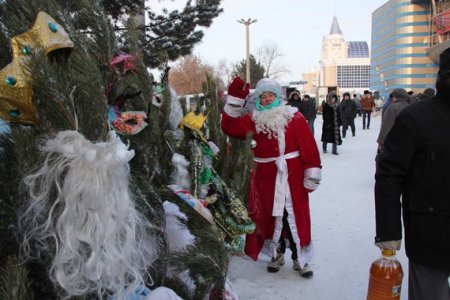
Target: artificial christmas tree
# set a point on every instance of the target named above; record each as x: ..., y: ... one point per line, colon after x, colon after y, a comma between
x: 63, y: 173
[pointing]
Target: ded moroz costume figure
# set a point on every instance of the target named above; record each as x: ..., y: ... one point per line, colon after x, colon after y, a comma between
x: 287, y: 168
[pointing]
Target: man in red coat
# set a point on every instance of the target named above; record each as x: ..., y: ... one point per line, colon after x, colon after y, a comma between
x: 288, y: 168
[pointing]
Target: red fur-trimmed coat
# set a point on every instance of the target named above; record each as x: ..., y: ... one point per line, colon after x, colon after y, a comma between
x: 298, y: 137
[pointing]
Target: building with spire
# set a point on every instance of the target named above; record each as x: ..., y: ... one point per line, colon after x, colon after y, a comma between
x: 344, y: 66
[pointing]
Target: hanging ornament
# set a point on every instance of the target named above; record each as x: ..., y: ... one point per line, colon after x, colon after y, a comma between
x: 15, y: 81
x: 123, y: 122
x: 197, y: 204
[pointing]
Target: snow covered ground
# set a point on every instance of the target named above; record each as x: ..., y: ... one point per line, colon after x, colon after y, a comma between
x: 343, y: 229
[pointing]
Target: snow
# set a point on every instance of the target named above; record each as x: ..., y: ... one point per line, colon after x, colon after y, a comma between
x: 343, y: 229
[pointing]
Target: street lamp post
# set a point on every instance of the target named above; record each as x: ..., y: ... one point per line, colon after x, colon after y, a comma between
x: 247, y: 24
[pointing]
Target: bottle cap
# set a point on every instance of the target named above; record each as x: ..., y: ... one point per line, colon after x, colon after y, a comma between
x: 388, y: 252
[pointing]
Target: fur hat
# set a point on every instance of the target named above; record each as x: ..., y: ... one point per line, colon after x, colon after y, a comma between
x: 269, y: 85
x: 294, y: 93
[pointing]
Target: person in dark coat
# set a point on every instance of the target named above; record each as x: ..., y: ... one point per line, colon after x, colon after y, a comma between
x: 294, y: 99
x: 331, y: 122
x: 309, y: 110
x: 386, y: 105
x: 348, y: 110
x: 399, y: 102
x: 413, y: 176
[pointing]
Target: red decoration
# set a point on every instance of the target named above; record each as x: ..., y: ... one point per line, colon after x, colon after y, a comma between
x: 442, y: 22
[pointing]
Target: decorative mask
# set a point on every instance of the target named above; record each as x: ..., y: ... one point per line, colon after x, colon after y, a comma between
x: 16, y: 104
x: 124, y: 122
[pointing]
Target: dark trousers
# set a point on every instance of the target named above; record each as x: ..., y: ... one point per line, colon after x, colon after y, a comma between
x: 287, y: 230
x: 348, y: 122
x: 366, y: 114
x: 311, y: 125
x: 427, y: 283
x: 324, y: 147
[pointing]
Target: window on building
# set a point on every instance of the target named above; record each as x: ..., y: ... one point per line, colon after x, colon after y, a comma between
x: 353, y: 76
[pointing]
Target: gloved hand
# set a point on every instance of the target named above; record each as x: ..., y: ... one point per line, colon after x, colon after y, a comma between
x: 391, y: 245
x: 312, y: 178
x: 237, y: 93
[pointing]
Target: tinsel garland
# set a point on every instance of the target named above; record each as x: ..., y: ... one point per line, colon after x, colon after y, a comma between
x: 229, y: 211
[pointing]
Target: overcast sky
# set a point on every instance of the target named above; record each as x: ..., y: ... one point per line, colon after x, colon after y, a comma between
x: 296, y: 26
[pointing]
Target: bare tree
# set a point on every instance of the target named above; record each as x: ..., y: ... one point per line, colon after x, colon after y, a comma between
x: 188, y: 75
x: 269, y: 56
x: 224, y: 71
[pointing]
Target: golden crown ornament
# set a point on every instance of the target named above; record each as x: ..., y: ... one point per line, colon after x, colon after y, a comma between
x: 193, y: 121
x: 16, y: 103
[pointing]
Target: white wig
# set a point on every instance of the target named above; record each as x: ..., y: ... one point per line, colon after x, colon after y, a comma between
x: 80, y: 198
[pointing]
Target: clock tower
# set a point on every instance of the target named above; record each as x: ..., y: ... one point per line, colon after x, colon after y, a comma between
x: 334, y: 46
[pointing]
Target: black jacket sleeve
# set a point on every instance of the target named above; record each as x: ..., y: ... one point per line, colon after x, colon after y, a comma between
x: 392, y: 171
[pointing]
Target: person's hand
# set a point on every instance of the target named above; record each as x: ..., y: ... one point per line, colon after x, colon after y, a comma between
x: 237, y: 93
x: 391, y: 245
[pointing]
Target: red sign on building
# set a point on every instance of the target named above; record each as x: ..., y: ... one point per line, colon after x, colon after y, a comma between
x: 442, y: 22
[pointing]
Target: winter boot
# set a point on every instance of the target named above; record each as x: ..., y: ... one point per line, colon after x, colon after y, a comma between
x: 295, y: 265
x: 305, y: 272
x: 275, y: 264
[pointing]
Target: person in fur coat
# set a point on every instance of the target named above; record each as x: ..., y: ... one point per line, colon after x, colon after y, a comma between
x: 331, y: 123
x: 284, y: 145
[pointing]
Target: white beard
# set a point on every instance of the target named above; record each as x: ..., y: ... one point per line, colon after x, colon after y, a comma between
x: 273, y: 120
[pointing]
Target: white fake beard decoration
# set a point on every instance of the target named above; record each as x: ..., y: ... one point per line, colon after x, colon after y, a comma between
x: 272, y: 120
x: 181, y: 174
x: 80, y: 198
x: 178, y: 236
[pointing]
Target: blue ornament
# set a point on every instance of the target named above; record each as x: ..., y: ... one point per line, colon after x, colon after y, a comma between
x: 14, y: 113
x: 52, y: 27
x: 10, y: 80
x: 26, y: 50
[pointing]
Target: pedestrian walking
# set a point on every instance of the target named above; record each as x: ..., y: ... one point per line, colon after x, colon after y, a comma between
x: 331, y: 123
x: 348, y: 111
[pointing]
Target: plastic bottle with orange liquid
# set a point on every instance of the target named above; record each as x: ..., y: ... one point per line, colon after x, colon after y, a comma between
x: 386, y: 276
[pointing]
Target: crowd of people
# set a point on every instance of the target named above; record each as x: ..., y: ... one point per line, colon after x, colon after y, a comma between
x: 339, y: 115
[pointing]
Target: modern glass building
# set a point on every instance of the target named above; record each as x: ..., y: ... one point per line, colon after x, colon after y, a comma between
x: 400, y: 39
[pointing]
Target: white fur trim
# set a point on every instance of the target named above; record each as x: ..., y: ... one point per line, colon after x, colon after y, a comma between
x: 234, y: 112
x: 235, y: 100
x: 305, y: 254
x: 312, y: 178
x: 313, y: 173
x: 309, y: 184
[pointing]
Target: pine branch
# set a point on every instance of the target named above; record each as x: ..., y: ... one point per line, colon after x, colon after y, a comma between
x: 14, y: 283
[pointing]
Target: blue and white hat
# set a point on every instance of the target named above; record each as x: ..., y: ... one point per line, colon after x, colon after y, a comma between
x: 268, y: 85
